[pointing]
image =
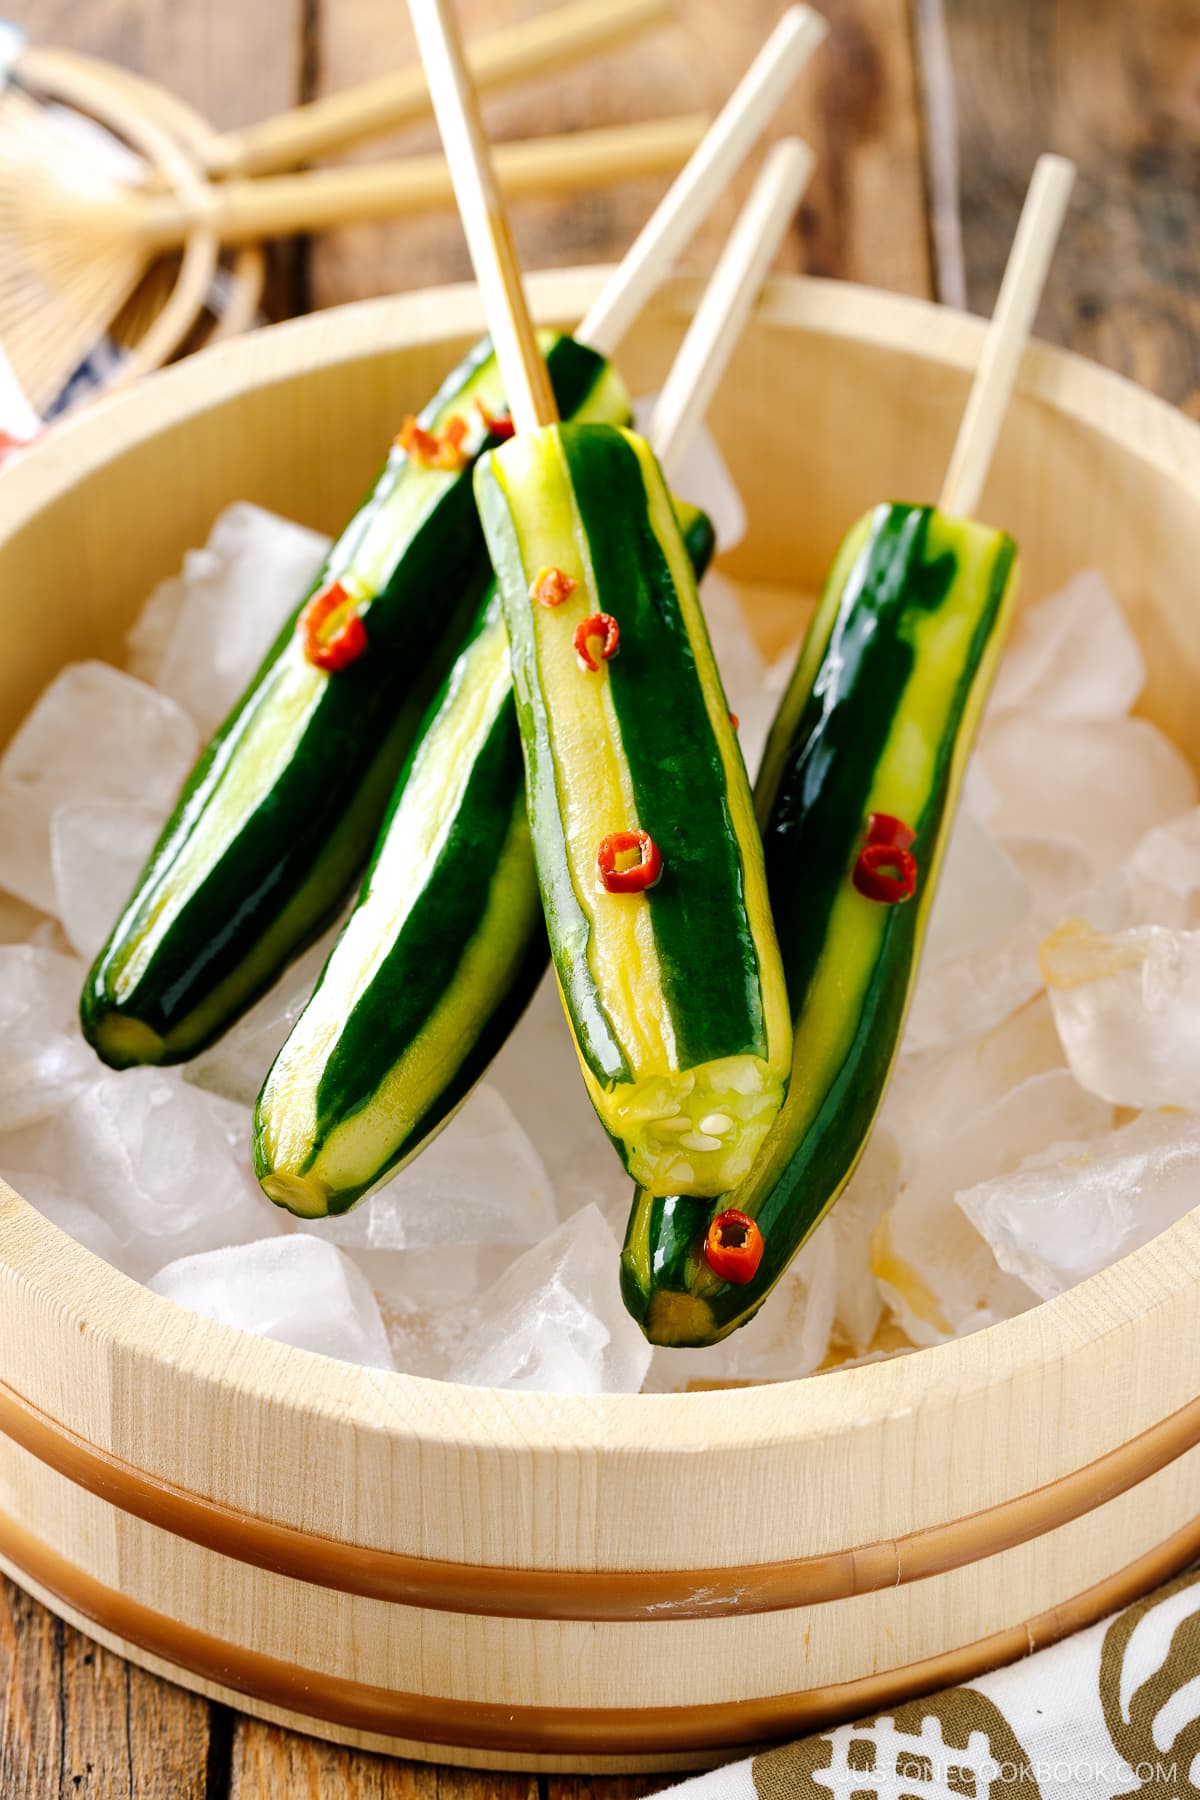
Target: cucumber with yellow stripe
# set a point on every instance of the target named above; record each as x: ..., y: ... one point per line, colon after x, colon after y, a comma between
x: 856, y: 796
x: 279, y: 815
x: 439, y: 958
x: 647, y: 852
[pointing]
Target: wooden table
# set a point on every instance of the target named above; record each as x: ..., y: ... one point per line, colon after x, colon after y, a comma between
x: 1116, y: 86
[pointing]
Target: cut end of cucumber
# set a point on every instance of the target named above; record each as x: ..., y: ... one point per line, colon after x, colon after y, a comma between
x: 695, y: 1131
x: 304, y: 1195
x: 678, y: 1321
x: 123, y: 1042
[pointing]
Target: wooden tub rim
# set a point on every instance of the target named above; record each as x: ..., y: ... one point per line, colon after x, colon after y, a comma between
x: 35, y: 1254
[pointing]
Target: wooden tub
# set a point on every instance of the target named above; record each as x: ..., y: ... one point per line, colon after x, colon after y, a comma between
x: 625, y: 1582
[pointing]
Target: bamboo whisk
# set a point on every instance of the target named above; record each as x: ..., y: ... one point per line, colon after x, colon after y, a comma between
x: 77, y: 236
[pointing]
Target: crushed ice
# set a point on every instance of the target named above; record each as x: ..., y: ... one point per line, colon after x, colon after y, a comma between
x: 1059, y: 998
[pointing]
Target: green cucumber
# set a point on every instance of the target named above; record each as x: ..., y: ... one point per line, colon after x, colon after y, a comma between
x: 878, y: 719
x: 279, y: 815
x: 439, y: 958
x: 675, y: 996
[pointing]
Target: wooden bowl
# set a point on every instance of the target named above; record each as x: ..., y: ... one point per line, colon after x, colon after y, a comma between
x: 625, y: 1582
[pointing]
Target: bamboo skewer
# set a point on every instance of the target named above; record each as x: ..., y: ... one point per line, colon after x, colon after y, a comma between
x: 727, y: 301
x: 1016, y: 304
x: 738, y: 126
x: 246, y: 211
x: 742, y: 266
x: 728, y: 298
x: 735, y: 131
x: 484, y: 216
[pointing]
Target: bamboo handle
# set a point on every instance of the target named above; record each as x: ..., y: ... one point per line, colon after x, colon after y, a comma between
x: 735, y: 131
x: 727, y: 300
x: 484, y: 216
x: 533, y: 47
x: 277, y: 205
x: 1024, y: 278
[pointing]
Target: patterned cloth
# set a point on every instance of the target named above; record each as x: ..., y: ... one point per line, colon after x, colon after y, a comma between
x: 1114, y: 1710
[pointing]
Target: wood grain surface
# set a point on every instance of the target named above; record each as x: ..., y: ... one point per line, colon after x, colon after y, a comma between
x: 1116, y: 87
x: 864, y: 216
x: 891, y: 109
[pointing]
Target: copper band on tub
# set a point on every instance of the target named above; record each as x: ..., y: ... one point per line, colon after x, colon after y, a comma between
x: 726, y: 1725
x: 599, y: 1596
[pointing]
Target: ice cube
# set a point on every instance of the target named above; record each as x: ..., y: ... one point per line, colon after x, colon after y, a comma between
x: 95, y: 734
x: 939, y: 1277
x: 293, y: 1289
x: 738, y: 656
x: 755, y: 708
x: 236, y: 593
x: 430, y: 1301
x: 1072, y: 657
x: 1127, y: 1007
x: 979, y: 796
x: 1164, y: 873
x: 967, y: 1078
x: 1072, y: 1210
x: 537, y: 1072
x: 147, y: 638
x: 43, y: 1060
x: 1101, y: 783
x: 972, y: 994
x: 480, y: 1181
x: 236, y: 1065
x: 933, y: 1268
x: 981, y: 894
x: 870, y: 1191
x: 703, y: 478
x: 97, y: 851
x: 555, y: 1321
x: 1059, y: 877
x: 67, y: 1211
x: 164, y: 1165
x: 18, y: 920
x: 785, y: 1340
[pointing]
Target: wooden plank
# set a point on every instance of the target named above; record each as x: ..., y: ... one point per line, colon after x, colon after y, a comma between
x: 268, y: 1762
x: 76, y: 1721
x: 603, y: 1787
x: 864, y: 217
x: 1113, y: 86
x: 232, y: 61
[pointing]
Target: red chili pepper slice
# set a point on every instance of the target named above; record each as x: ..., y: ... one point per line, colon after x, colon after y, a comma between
x: 334, y: 634
x: 431, y: 450
x: 735, y: 721
x: 550, y: 587
x: 886, y: 828
x: 642, y: 875
x: 873, y: 879
x: 734, y: 1246
x: 455, y: 430
x: 496, y: 425
x: 604, y: 627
